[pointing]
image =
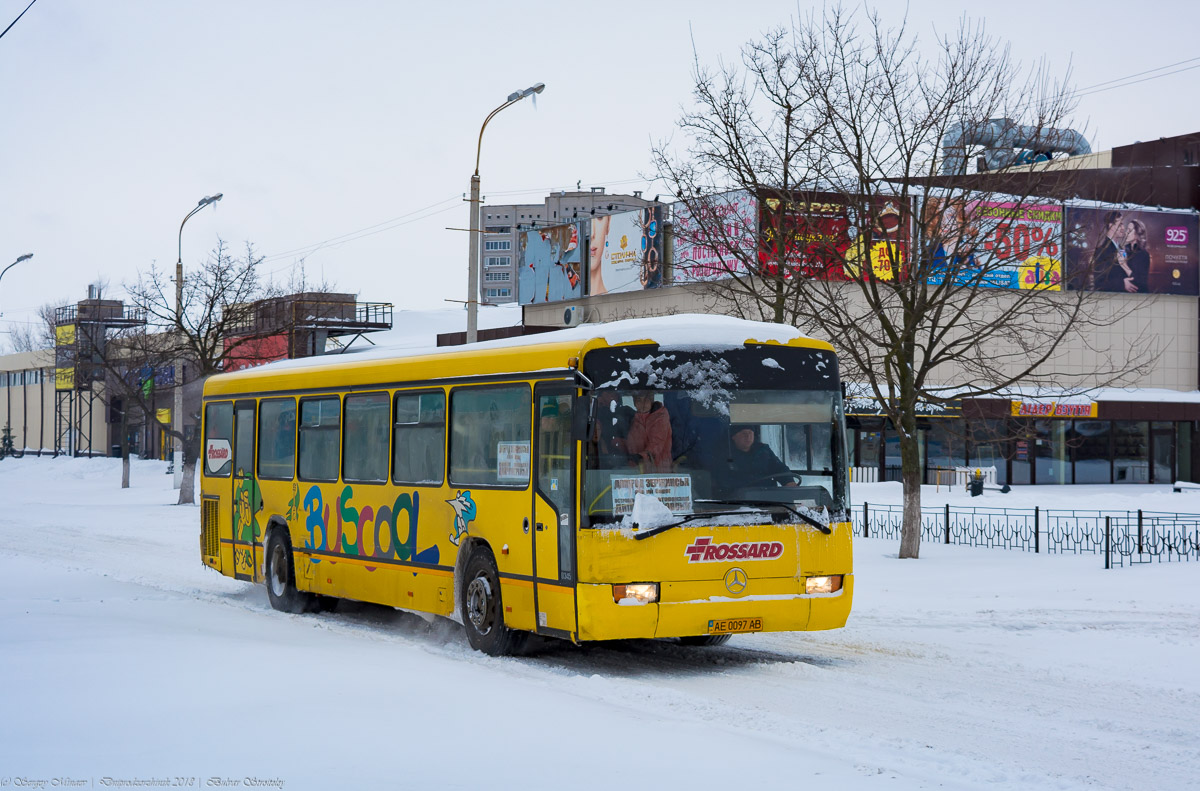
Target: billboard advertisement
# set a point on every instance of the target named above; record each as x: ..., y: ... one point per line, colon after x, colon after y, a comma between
x: 625, y: 252
x: 1135, y: 251
x: 550, y: 261
x: 818, y: 237
x: 715, y: 237
x: 1009, y: 244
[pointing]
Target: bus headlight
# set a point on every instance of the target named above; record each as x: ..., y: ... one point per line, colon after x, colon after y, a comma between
x: 636, y: 593
x: 830, y: 584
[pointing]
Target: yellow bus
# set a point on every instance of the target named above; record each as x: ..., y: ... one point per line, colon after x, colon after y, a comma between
x: 682, y: 477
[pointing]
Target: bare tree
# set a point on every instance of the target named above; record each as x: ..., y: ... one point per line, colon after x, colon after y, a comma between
x: 223, y: 322
x: 37, y: 334
x: 835, y: 127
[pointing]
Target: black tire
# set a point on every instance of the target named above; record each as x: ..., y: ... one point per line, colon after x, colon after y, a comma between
x: 325, y: 603
x: 281, y: 576
x: 706, y: 639
x: 482, y: 609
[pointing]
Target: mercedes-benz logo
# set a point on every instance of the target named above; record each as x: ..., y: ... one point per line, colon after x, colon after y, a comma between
x: 735, y: 581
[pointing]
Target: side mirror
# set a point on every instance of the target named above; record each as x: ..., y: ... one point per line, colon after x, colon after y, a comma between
x: 581, y: 417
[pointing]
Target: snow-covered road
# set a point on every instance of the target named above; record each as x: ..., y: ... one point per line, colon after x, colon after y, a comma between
x: 123, y: 658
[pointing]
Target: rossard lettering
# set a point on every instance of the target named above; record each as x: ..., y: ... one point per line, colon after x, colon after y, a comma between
x: 704, y: 551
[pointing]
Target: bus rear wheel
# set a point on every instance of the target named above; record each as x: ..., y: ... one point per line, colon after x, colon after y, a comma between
x: 483, y: 610
x: 281, y: 576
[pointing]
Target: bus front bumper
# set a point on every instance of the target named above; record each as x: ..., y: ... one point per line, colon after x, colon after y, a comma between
x: 690, y: 609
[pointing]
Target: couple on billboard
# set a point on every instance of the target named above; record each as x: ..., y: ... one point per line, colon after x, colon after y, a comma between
x: 1121, y: 260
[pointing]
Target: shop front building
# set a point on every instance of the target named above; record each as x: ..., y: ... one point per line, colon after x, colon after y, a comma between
x: 1039, y: 441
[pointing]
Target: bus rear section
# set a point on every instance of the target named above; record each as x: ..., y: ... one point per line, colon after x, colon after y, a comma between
x: 745, y: 528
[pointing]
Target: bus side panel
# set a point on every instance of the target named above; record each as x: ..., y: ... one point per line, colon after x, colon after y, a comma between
x: 381, y: 543
x: 501, y: 518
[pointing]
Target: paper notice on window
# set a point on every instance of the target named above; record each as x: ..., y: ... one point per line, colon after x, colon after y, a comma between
x: 673, y: 491
x: 512, y: 461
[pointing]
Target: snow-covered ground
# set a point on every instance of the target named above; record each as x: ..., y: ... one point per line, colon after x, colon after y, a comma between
x: 123, y: 659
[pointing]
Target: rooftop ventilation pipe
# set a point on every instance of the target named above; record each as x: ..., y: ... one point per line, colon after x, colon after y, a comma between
x: 1000, y: 137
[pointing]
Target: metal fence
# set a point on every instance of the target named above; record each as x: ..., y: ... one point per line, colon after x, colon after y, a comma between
x: 1122, y: 537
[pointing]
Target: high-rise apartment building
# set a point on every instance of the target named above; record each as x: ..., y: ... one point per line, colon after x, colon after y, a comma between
x: 502, y: 225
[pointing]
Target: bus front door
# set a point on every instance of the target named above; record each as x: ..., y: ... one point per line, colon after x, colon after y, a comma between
x: 553, y: 514
x: 247, y: 500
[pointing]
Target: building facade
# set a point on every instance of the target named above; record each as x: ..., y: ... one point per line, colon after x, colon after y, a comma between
x: 502, y: 225
x: 1086, y: 431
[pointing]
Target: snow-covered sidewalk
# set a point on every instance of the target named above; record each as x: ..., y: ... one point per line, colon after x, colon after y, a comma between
x: 123, y: 658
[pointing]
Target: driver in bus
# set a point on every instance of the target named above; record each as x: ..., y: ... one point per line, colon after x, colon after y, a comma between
x: 752, y: 463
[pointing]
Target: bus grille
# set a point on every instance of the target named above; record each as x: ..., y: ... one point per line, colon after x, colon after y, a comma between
x: 210, y: 543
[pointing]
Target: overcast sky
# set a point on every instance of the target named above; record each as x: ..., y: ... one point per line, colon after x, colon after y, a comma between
x: 325, y: 121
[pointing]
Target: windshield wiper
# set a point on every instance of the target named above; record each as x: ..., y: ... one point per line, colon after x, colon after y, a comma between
x: 759, y: 504
x: 689, y: 518
x: 767, y: 504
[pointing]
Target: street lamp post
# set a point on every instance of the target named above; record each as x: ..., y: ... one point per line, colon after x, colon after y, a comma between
x: 25, y: 257
x: 177, y: 412
x: 473, y: 262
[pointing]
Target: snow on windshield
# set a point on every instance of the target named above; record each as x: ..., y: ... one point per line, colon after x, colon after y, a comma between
x: 709, y: 382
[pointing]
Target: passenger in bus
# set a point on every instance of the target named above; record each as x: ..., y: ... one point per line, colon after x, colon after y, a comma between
x: 613, y: 420
x: 697, y: 441
x: 650, y: 434
x: 752, y: 463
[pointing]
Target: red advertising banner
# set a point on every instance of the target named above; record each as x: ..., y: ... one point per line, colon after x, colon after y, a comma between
x: 257, y: 351
x: 818, y: 237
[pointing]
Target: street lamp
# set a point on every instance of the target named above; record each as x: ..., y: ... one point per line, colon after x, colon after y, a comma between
x: 473, y: 262
x: 25, y: 257
x: 177, y: 416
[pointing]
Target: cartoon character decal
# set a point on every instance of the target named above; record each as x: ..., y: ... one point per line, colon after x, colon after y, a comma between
x: 464, y: 514
x: 293, y: 507
x: 247, y: 502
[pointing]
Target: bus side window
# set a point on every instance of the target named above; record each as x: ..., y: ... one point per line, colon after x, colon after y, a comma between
x: 320, y: 432
x: 277, y: 438
x: 218, y: 439
x: 490, y: 435
x: 366, y: 438
x: 419, y: 444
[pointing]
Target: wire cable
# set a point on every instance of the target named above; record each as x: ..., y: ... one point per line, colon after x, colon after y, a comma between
x: 18, y: 19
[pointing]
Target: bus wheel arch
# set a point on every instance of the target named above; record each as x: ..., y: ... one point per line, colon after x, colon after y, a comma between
x: 480, y: 604
x: 279, y: 572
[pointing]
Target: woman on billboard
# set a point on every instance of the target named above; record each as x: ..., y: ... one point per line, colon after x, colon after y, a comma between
x: 1135, y: 256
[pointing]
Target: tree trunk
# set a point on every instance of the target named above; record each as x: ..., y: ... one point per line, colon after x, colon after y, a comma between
x: 124, y: 446
x: 910, y: 465
x: 186, y: 494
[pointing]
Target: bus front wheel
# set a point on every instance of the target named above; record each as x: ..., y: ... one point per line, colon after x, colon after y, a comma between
x: 281, y: 576
x: 706, y: 639
x: 482, y: 609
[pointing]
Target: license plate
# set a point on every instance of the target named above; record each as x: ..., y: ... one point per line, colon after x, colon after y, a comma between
x: 732, y: 625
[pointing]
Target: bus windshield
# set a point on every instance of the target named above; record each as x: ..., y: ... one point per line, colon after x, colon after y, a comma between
x: 714, y: 431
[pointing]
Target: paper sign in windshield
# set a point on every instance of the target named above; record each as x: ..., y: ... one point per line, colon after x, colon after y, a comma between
x: 512, y: 461
x: 673, y: 491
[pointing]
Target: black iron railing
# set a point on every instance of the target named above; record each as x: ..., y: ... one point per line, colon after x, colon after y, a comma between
x: 1122, y: 537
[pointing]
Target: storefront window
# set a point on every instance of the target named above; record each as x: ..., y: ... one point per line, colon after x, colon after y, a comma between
x: 1183, y: 451
x: 1050, y: 452
x: 947, y: 446
x: 1090, y: 442
x: 1163, y: 445
x: 870, y: 440
x: 988, y: 443
x: 1131, y: 451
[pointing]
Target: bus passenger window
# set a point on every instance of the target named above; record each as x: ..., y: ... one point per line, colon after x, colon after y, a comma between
x: 366, y: 438
x: 320, y: 430
x: 277, y: 438
x: 218, y: 439
x: 489, y: 435
x: 419, y: 446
